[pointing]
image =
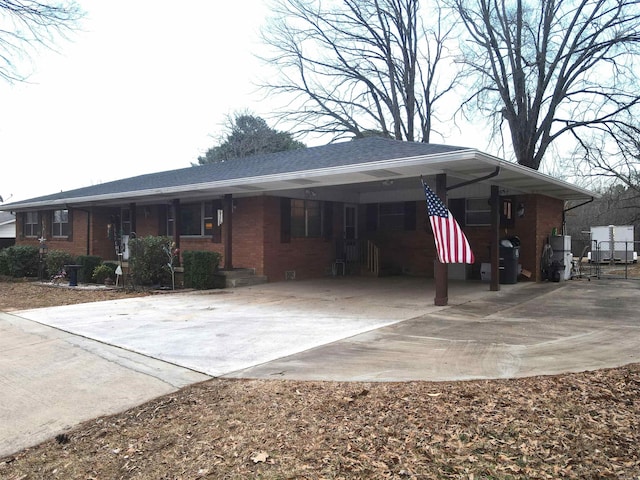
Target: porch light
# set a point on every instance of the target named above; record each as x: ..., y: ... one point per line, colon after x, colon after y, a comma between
x: 520, y: 210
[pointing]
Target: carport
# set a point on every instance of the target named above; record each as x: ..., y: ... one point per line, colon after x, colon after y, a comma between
x: 284, y: 215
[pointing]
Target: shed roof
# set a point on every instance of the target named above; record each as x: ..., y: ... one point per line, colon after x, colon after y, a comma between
x: 350, y: 163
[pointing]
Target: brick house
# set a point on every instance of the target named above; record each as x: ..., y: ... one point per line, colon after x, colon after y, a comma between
x: 293, y: 214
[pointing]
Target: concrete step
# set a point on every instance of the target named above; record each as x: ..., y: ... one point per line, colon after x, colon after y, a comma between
x: 246, y: 281
x: 239, y: 277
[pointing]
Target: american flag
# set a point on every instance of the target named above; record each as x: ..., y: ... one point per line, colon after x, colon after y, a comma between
x: 451, y: 243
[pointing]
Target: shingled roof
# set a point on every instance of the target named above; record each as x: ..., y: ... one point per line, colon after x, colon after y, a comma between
x: 331, y: 164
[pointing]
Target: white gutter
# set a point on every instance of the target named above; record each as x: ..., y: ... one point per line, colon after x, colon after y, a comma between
x: 421, y: 160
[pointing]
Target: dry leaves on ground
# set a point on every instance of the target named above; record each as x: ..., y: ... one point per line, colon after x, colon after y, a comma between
x: 23, y: 295
x: 578, y: 426
x: 581, y: 426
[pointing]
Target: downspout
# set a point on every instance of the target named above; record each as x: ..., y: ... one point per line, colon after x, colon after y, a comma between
x: 88, y: 212
x: 564, y: 212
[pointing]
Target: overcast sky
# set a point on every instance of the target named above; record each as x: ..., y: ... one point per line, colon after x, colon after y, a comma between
x: 145, y: 86
x: 141, y: 89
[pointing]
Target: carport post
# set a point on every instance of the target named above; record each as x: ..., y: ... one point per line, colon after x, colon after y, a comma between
x: 228, y: 237
x: 441, y: 270
x: 495, y: 239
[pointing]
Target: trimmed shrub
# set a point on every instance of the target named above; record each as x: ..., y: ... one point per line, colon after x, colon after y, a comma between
x: 89, y: 264
x: 20, y: 261
x: 4, y: 265
x: 148, y: 260
x: 199, y: 269
x: 104, y: 271
x: 56, y: 260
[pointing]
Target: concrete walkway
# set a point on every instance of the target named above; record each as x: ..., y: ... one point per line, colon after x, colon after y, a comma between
x: 62, y: 365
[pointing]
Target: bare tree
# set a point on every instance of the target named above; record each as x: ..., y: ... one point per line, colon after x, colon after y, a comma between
x: 552, y: 68
x: 26, y: 25
x: 359, y: 67
x: 611, y: 158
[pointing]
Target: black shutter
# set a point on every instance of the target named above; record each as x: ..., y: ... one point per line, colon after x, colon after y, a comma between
x: 327, y: 219
x: 285, y: 220
x: 70, y: 221
x: 458, y: 210
x: 409, y: 216
x: 162, y: 219
x: 371, y: 223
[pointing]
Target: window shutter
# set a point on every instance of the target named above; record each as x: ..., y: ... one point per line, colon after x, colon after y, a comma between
x: 372, y: 217
x: 409, y: 216
x: 327, y: 218
x: 285, y: 220
x: 70, y: 224
x: 162, y: 219
x: 458, y: 210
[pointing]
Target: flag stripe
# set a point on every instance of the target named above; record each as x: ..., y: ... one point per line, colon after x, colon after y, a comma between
x: 451, y: 243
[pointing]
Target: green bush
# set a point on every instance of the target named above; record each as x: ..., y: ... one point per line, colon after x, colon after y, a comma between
x: 56, y: 260
x: 104, y: 271
x: 89, y: 264
x: 4, y: 265
x: 148, y: 260
x: 199, y: 269
x: 20, y: 261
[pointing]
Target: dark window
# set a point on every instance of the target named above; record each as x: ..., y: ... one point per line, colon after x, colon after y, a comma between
x: 60, y: 223
x: 391, y: 217
x: 478, y: 212
x: 191, y: 219
x: 306, y: 218
x: 31, y: 226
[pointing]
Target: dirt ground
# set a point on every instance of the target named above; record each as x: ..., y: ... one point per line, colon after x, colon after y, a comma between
x: 579, y: 426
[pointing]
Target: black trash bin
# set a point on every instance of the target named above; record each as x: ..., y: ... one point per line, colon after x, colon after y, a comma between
x: 509, y: 256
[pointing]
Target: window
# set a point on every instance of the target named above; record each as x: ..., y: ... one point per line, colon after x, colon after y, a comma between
x: 391, y: 217
x: 477, y: 212
x: 306, y: 218
x: 60, y: 223
x: 196, y: 219
x: 191, y: 219
x: 31, y: 227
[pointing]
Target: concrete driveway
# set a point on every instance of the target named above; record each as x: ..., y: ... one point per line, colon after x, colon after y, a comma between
x: 62, y: 365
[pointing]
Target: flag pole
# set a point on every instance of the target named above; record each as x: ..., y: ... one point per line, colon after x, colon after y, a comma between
x: 441, y: 270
